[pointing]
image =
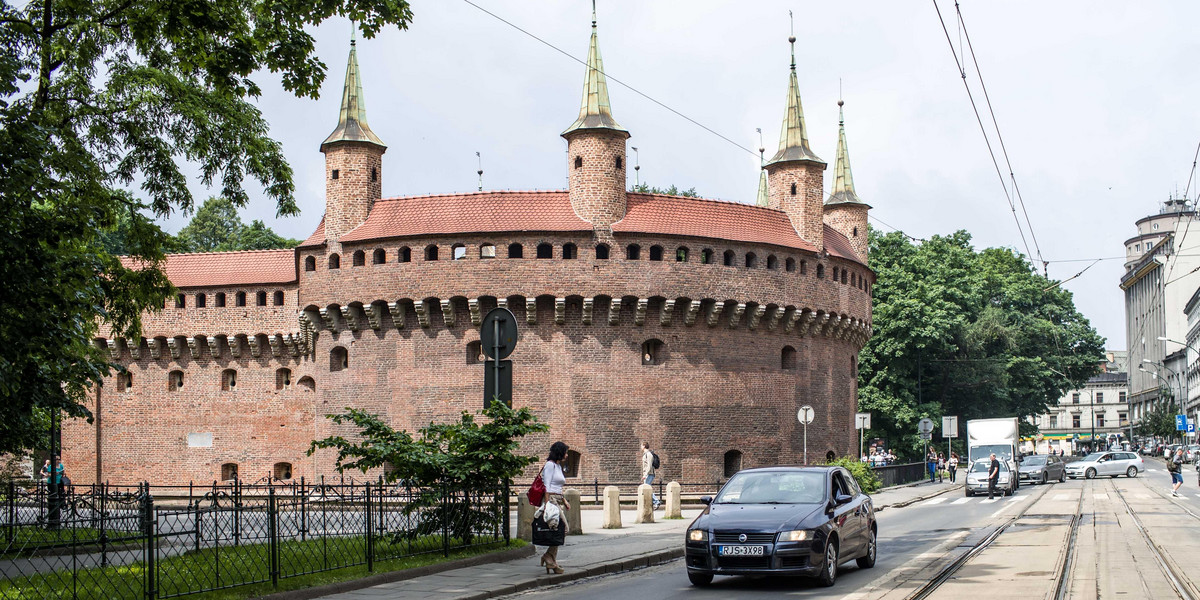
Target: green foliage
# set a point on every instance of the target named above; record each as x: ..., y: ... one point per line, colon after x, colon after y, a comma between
x: 866, y: 478
x: 216, y: 227
x: 646, y: 188
x: 957, y: 331
x: 100, y: 96
x: 1160, y: 422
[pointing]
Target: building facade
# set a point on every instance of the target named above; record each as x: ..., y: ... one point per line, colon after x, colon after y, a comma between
x: 699, y: 326
x: 1094, y: 416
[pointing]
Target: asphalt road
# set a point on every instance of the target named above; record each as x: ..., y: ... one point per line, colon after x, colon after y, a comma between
x: 903, y: 533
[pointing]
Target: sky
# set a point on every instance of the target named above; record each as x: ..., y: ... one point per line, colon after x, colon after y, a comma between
x: 1096, y: 103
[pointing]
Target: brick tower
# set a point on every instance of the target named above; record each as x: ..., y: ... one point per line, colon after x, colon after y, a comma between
x: 844, y: 211
x: 596, y: 150
x: 353, y: 160
x: 795, y: 173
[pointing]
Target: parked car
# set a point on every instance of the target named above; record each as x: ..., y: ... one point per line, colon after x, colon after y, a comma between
x: 1040, y: 468
x: 1191, y: 453
x: 1112, y: 464
x: 801, y: 521
x: 977, y: 478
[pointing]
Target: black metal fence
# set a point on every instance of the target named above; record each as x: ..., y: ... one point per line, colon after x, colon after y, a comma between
x: 119, y: 542
x: 890, y: 475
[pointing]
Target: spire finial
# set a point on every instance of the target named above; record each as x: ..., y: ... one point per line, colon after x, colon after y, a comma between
x: 792, y: 38
x: 353, y: 33
x: 595, y: 113
x: 843, y: 182
x: 793, y: 139
x: 593, y: 14
x: 480, y: 171
x: 352, y: 120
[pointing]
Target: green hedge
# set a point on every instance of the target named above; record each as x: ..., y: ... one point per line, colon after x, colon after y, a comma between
x: 862, y: 474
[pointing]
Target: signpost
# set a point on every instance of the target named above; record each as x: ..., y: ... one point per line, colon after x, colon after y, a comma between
x: 949, y: 430
x: 1181, y: 422
x: 497, y: 339
x: 805, y: 416
x: 862, y: 422
x: 925, y: 429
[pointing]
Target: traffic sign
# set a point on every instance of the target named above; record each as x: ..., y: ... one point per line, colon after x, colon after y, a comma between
x: 949, y: 427
x: 498, y: 334
x: 1181, y: 422
x: 862, y: 420
x: 927, y: 436
x: 925, y: 426
x: 805, y: 414
x: 1191, y: 428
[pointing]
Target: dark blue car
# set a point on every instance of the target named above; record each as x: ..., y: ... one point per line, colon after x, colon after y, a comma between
x: 801, y: 521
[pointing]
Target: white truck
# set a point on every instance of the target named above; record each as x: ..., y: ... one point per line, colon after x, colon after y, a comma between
x: 985, y: 436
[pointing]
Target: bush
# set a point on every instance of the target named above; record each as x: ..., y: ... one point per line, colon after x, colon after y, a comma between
x: 862, y: 474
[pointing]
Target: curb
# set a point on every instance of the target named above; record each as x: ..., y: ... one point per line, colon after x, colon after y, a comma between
x: 640, y: 561
x: 910, y: 501
x: 393, y: 576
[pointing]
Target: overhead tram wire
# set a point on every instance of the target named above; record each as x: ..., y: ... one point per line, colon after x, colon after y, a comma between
x: 987, y: 140
x: 1003, y: 149
x: 611, y: 78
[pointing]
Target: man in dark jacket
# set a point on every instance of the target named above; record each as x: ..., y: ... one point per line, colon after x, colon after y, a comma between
x: 993, y: 476
x: 1175, y: 468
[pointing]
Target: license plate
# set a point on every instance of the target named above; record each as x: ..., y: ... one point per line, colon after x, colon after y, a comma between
x: 741, y: 550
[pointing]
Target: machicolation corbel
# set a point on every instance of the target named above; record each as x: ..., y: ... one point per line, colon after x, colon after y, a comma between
x: 276, y: 342
x: 793, y: 316
x: 255, y: 349
x: 448, y: 312
x: 422, y: 313
x: 587, y: 310
x: 773, y: 317
x: 397, y: 312
x: 668, y: 313
x: 693, y: 309
x: 349, y: 317
x: 560, y: 310
x: 639, y: 316
x: 135, y: 351
x: 328, y: 318
x: 614, y: 310
x: 173, y: 345
x: 735, y: 317
x: 531, y: 311
x: 714, y: 313
x: 235, y: 345
x: 756, y: 315
x: 473, y: 308
x: 374, y: 314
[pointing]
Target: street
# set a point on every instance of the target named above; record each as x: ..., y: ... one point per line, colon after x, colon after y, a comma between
x: 1078, y: 539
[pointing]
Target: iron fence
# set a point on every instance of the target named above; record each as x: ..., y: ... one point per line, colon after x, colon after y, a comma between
x: 153, y: 542
x: 890, y: 475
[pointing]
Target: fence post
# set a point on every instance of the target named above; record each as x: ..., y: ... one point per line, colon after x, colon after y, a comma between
x: 12, y: 512
x: 102, y: 520
x: 237, y: 511
x: 273, y: 535
x: 370, y: 530
x: 303, y: 511
x: 507, y: 515
x: 445, y: 521
x: 149, y: 547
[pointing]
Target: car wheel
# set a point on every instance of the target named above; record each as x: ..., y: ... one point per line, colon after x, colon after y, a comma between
x: 969, y: 493
x: 1090, y: 474
x: 829, y: 573
x: 1063, y: 477
x: 1131, y: 472
x: 868, y: 561
x: 1045, y: 479
x: 700, y: 579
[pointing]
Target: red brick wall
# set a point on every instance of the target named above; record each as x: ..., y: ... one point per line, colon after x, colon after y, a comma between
x: 805, y: 207
x: 597, y: 186
x: 851, y: 221
x: 348, y: 198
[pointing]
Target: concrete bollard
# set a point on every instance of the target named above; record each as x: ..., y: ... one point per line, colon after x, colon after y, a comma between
x: 612, y: 507
x: 575, y: 513
x: 674, y: 510
x: 525, y: 517
x: 645, y: 506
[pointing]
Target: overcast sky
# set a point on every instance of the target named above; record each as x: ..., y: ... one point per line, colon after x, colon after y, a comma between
x: 1097, y: 103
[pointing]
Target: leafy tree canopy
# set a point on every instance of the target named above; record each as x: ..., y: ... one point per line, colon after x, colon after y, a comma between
x: 100, y: 96
x: 976, y: 334
x: 216, y: 227
x: 646, y: 188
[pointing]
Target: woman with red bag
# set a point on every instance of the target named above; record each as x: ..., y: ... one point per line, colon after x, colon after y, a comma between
x: 553, y: 478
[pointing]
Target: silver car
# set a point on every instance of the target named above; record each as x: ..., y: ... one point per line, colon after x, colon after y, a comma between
x: 1042, y: 468
x: 977, y: 478
x: 1112, y: 464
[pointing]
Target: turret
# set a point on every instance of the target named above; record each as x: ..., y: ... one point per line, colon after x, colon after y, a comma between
x: 353, y: 160
x: 844, y: 211
x: 795, y: 174
x: 596, y: 150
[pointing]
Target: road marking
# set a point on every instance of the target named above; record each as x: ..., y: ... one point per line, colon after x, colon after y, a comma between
x: 1018, y: 498
x: 990, y: 500
x: 1100, y: 496
x: 935, y: 501
x: 1061, y: 497
x: 961, y: 501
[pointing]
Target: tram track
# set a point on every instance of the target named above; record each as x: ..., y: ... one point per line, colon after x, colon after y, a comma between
x: 1182, y: 585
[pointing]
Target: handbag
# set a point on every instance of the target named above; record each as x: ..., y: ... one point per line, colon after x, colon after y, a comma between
x: 543, y: 535
x: 537, y: 491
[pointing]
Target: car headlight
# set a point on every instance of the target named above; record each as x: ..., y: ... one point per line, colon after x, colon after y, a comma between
x: 798, y: 535
x: 697, y: 535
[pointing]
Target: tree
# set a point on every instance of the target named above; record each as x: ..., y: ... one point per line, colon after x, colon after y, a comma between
x: 215, y: 227
x: 257, y: 236
x: 98, y: 96
x: 962, y: 332
x: 646, y: 188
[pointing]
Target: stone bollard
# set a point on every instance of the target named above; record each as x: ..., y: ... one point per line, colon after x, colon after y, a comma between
x: 575, y: 513
x: 525, y: 517
x: 674, y: 511
x: 645, y: 506
x: 612, y: 507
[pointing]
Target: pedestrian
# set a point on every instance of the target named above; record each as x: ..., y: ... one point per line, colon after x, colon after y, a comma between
x: 1175, y: 468
x: 554, y: 480
x: 952, y: 464
x: 45, y: 472
x: 648, y: 467
x: 931, y: 465
x: 941, y: 467
x: 993, y: 476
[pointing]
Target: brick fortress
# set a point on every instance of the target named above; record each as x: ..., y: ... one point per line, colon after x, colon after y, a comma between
x: 700, y: 326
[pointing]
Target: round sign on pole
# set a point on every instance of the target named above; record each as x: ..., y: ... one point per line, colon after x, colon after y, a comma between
x: 925, y: 426
x: 498, y: 333
x: 805, y: 414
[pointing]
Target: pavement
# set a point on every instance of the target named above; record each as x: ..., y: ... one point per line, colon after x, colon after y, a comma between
x: 597, y: 552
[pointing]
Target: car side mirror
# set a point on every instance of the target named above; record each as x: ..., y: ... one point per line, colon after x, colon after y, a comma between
x: 841, y: 499
x: 706, y: 500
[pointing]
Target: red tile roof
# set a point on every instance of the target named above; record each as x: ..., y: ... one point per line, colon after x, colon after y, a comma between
x: 837, y: 244
x: 468, y: 213
x: 204, y: 269
x: 317, y: 238
x: 698, y: 217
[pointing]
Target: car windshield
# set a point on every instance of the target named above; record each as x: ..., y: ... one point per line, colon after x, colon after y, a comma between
x: 774, y: 487
x: 982, y: 466
x: 1034, y: 461
x: 1093, y: 457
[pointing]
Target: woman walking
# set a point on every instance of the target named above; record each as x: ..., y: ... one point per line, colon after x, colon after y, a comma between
x: 554, y: 479
x: 953, y: 465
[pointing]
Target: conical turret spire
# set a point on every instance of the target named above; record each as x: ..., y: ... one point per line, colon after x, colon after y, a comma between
x: 843, y: 183
x: 352, y: 121
x: 793, y: 139
x: 595, y: 113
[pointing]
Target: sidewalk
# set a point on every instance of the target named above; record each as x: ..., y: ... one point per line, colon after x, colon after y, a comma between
x: 597, y: 552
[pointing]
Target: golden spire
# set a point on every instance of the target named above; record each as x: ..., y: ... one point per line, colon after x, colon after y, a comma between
x: 595, y: 113
x: 352, y: 121
x: 763, y: 197
x: 843, y: 183
x: 793, y: 139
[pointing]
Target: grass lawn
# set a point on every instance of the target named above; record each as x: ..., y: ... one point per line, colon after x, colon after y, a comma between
x: 244, y: 570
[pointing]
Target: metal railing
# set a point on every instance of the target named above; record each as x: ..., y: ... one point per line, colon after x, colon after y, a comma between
x: 120, y: 542
x: 890, y: 475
